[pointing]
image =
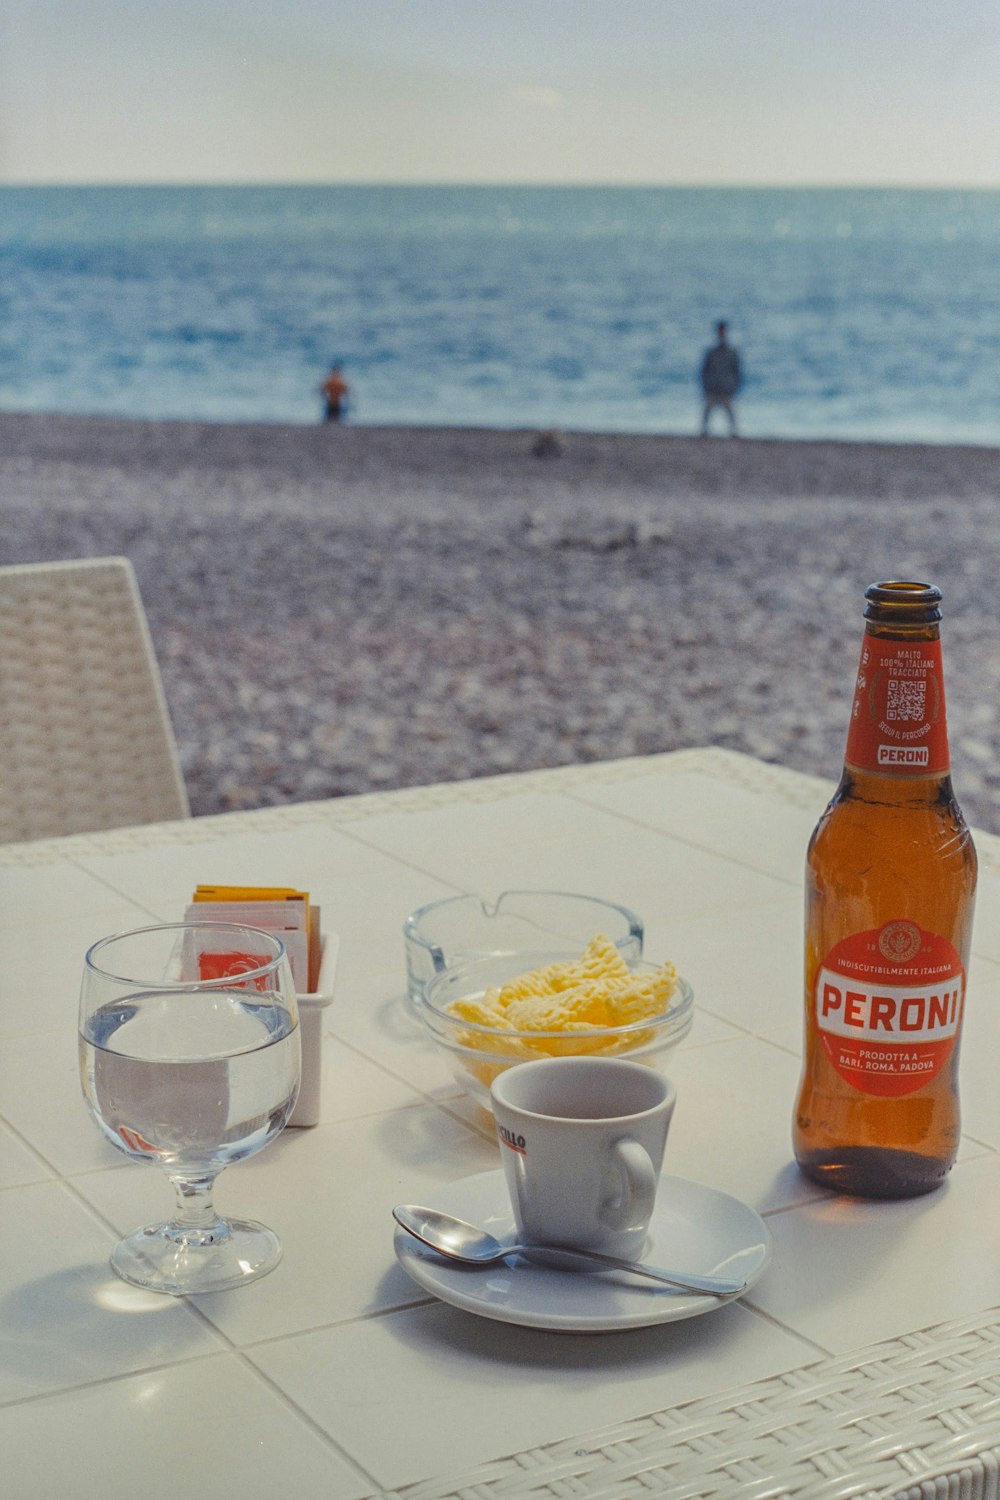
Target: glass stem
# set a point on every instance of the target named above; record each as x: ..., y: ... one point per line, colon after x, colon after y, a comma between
x: 196, y: 1222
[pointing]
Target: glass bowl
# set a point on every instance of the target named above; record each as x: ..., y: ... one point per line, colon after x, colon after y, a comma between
x: 477, y: 1053
x: 465, y: 929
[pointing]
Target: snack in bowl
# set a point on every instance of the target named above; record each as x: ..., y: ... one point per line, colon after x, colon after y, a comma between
x: 575, y: 996
x: 491, y: 1014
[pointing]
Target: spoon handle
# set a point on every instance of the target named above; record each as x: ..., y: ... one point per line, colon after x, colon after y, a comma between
x: 684, y: 1281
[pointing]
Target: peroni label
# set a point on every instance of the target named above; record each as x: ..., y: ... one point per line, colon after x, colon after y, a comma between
x: 898, y: 724
x: 888, y: 1007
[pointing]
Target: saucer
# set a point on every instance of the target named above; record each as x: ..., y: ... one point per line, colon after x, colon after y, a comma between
x: 692, y: 1226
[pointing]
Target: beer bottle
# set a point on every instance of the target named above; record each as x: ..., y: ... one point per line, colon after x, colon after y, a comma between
x: 891, y: 881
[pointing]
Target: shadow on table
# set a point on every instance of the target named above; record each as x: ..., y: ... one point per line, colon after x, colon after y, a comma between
x: 425, y: 1140
x: 438, y: 1331
x: 395, y: 1017
x: 79, y: 1324
x: 790, y: 1189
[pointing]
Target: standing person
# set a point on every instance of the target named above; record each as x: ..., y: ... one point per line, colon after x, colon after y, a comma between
x: 721, y: 378
x: 334, y: 391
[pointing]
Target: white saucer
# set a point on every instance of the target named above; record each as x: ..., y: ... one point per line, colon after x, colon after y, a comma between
x: 692, y: 1226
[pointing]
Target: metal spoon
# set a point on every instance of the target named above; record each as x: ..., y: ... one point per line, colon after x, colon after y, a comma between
x: 472, y: 1246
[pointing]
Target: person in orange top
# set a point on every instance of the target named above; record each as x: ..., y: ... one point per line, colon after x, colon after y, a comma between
x: 334, y: 391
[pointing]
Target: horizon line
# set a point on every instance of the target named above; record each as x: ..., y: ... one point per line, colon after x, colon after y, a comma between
x: 503, y: 184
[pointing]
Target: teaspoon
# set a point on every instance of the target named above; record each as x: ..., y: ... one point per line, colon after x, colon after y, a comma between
x: 471, y: 1245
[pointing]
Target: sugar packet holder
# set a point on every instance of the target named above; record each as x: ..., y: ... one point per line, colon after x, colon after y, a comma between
x: 311, y: 1008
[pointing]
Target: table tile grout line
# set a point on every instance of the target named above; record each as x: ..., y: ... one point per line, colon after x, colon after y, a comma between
x: 228, y: 1346
x: 59, y: 1178
x: 95, y: 1214
x: 354, y: 1320
x: 57, y: 1173
x: 716, y: 762
x: 689, y: 841
x: 303, y: 1416
x: 346, y: 830
x: 821, y: 1351
x: 37, y: 1154
x: 78, y: 863
x: 98, y: 1218
x: 573, y: 796
x: 976, y: 1140
x: 8, y: 1403
x: 421, y: 1100
x: 734, y: 1403
x: 230, y: 1352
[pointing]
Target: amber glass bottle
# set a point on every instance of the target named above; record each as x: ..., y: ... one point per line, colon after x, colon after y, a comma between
x: 890, y: 891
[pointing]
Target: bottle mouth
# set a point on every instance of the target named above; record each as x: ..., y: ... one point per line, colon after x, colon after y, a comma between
x: 916, y: 603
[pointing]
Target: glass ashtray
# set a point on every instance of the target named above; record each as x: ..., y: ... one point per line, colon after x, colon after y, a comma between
x: 467, y: 929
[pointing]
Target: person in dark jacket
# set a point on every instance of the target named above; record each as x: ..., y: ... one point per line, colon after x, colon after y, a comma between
x: 335, y: 392
x: 721, y: 378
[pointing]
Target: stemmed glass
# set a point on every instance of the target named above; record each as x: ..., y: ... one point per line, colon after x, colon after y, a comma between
x: 189, y: 1057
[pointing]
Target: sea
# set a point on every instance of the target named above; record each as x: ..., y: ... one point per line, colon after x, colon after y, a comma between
x: 858, y: 313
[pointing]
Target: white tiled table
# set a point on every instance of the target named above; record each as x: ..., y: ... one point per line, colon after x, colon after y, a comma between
x: 336, y: 1377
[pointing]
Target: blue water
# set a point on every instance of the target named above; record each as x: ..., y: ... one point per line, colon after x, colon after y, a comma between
x: 859, y: 313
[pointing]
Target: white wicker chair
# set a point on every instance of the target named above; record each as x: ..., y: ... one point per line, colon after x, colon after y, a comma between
x: 911, y: 1418
x: 85, y: 736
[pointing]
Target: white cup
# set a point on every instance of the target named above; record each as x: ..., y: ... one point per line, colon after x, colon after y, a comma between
x: 582, y: 1141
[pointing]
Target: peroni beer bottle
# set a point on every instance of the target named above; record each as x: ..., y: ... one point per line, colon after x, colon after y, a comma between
x: 891, y: 880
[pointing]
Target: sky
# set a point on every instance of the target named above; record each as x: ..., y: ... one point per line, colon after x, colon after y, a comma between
x: 796, y: 92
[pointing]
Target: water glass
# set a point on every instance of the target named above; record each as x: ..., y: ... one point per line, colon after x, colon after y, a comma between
x: 190, y: 1058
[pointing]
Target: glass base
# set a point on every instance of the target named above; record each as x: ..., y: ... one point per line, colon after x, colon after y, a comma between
x: 182, y: 1261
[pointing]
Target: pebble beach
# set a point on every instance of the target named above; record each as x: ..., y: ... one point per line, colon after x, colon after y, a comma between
x: 348, y: 609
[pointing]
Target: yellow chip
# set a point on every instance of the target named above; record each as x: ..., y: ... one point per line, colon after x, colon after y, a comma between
x: 602, y: 960
x: 567, y: 1007
x: 599, y: 960
x: 536, y: 982
x: 479, y: 1012
x: 585, y: 1005
x: 643, y: 996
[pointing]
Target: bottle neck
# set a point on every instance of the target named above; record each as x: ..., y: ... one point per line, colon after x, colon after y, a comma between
x: 898, y: 726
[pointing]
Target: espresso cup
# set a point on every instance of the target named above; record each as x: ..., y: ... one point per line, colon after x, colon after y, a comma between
x: 582, y: 1141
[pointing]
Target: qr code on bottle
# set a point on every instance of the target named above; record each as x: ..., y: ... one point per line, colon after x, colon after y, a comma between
x: 906, y: 700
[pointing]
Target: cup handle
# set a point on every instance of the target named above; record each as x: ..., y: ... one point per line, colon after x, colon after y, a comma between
x: 633, y: 1205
